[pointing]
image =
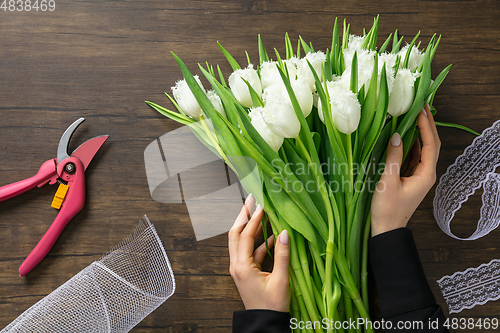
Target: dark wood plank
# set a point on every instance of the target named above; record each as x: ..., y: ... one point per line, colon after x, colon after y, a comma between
x: 103, y: 59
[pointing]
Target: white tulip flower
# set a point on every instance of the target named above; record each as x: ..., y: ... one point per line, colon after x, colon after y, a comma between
x: 315, y: 99
x: 185, y: 98
x: 269, y: 74
x: 365, y: 69
x: 292, y: 66
x: 273, y: 140
x: 355, y: 42
x: 365, y: 72
x: 366, y: 61
x: 365, y: 64
x: 390, y: 61
x: 366, y: 58
x: 216, y: 102
x: 401, y: 98
x: 346, y: 110
x: 345, y: 84
x: 319, y: 106
x: 239, y: 87
x: 416, y: 57
x: 317, y: 59
x: 281, y: 118
x: 345, y: 107
x: 388, y: 58
x: 302, y: 91
x: 273, y: 92
x: 304, y: 95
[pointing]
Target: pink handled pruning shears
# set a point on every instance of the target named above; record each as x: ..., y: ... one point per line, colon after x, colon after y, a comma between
x: 67, y: 170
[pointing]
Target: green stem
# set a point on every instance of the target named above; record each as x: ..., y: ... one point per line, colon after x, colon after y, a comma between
x: 304, y: 263
x: 338, y: 318
x: 329, y: 278
x: 273, y: 218
x: 337, y: 294
x: 350, y: 286
x: 349, y: 162
x: 341, y: 309
x: 301, y: 280
x: 304, y: 315
x: 294, y: 268
x: 319, y: 302
x: 349, y: 220
x: 294, y: 306
x: 348, y: 310
x: 331, y: 225
x: 394, y: 124
x: 319, y: 262
x: 356, y: 317
x: 350, y: 193
x: 364, y: 263
x: 212, y: 139
x: 329, y: 274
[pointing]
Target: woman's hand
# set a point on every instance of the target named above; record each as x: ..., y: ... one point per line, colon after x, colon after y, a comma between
x: 396, y: 198
x: 258, y: 289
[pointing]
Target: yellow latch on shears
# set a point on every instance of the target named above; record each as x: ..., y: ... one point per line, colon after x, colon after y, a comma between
x: 59, y: 196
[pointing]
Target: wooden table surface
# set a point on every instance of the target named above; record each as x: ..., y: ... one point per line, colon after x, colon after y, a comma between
x: 102, y: 59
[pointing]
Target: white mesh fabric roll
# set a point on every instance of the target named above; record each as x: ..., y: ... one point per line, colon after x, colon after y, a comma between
x: 110, y: 295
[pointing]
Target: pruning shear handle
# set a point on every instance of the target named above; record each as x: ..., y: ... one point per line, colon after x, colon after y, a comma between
x: 46, y: 173
x: 75, y: 199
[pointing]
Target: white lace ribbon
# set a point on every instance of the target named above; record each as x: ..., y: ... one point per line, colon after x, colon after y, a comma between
x: 474, y: 286
x: 471, y: 170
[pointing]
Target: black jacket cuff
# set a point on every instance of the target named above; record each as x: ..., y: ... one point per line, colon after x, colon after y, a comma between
x: 398, y: 273
x: 261, y: 321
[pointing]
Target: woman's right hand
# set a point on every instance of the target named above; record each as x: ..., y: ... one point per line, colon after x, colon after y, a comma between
x: 396, y: 197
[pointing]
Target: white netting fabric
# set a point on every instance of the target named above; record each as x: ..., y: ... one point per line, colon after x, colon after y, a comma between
x: 464, y: 290
x: 471, y: 170
x: 110, y: 295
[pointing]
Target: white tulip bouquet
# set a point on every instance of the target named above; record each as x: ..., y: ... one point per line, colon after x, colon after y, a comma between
x: 316, y: 128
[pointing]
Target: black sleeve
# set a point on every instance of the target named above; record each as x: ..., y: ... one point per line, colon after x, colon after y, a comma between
x: 405, y: 295
x: 261, y: 321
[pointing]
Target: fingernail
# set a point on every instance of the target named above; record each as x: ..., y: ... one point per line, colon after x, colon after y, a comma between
x: 248, y: 198
x: 396, y: 140
x: 284, y: 239
x: 425, y: 112
x: 258, y: 209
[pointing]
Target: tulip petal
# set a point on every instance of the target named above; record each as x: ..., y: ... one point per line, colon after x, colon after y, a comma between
x: 240, y: 89
x: 281, y: 119
x: 273, y: 140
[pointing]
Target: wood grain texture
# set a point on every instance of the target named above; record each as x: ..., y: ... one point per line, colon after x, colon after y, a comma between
x: 102, y: 59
